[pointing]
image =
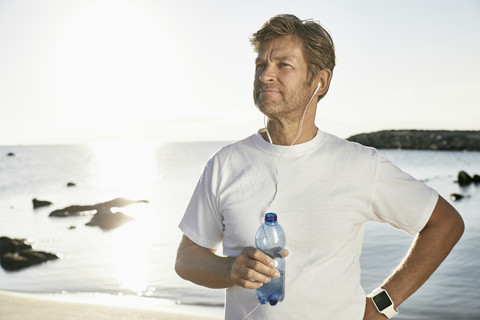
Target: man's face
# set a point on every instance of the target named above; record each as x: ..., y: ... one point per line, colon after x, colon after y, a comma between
x: 280, y: 88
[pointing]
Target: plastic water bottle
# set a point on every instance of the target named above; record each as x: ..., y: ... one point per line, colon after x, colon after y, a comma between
x: 270, y: 238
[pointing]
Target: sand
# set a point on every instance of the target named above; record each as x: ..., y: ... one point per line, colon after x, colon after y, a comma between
x: 21, y: 306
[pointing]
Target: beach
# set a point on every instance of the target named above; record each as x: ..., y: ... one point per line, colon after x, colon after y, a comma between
x: 21, y: 306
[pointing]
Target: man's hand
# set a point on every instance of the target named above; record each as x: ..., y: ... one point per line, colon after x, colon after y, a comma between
x: 252, y: 268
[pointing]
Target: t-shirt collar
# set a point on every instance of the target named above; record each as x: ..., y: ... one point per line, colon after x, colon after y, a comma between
x: 295, y: 149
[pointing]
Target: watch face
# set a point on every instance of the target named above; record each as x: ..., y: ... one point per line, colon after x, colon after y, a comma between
x: 382, y: 301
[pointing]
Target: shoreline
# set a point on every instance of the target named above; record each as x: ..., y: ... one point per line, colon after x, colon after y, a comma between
x: 39, y: 306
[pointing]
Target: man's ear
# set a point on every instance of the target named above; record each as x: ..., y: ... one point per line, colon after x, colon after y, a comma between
x: 324, y: 77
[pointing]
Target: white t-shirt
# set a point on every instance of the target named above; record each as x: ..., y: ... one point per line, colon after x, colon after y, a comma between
x: 327, y: 189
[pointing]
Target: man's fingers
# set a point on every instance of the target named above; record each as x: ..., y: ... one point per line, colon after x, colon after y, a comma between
x: 248, y: 278
x: 265, y: 272
x: 252, y: 268
x: 257, y: 272
x: 248, y: 284
x: 258, y: 255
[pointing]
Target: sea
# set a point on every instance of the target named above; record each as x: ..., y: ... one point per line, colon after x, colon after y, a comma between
x: 137, y: 259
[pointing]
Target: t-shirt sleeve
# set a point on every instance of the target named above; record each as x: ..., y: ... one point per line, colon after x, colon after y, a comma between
x: 401, y: 200
x: 202, y: 222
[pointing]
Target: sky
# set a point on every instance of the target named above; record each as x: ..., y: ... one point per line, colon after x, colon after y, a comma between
x: 85, y: 71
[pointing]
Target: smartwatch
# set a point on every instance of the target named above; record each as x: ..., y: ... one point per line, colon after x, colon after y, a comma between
x: 383, y: 302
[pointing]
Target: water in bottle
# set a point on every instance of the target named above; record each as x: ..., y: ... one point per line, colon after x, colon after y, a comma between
x: 270, y: 238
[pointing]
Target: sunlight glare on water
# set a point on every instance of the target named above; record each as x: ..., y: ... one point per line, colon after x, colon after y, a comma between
x: 131, y: 251
x: 128, y: 169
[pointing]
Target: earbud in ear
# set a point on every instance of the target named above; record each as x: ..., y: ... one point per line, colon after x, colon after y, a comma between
x: 318, y: 87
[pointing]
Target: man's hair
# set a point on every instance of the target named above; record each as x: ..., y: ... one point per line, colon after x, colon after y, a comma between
x: 318, y: 46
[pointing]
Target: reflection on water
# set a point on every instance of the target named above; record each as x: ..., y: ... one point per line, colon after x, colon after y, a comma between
x: 129, y: 168
x: 130, y: 253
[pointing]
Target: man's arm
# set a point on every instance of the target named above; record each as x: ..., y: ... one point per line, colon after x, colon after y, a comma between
x: 429, y: 249
x: 202, y: 266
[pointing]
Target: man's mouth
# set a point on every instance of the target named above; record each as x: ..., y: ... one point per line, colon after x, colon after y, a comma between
x: 269, y: 91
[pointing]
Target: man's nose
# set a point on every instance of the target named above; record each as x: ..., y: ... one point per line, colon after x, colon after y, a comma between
x: 268, y: 74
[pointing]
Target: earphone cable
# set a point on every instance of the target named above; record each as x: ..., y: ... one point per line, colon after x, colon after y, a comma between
x: 277, y: 164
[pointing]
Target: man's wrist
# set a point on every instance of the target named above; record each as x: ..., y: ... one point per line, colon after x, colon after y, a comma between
x: 383, y: 302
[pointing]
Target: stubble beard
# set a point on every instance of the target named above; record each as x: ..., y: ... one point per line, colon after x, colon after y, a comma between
x: 286, y: 107
x: 271, y: 107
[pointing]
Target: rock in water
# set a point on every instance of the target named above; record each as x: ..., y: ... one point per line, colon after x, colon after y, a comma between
x: 456, y: 196
x: 16, y: 254
x: 73, y: 211
x: 120, y: 203
x: 476, y: 178
x: 103, y: 217
x: 464, y: 178
x: 40, y: 203
x: 12, y: 262
x: 107, y: 220
x: 8, y: 245
x: 76, y: 210
x: 24, y: 259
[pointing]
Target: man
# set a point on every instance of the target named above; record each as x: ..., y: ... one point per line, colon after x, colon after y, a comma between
x: 323, y: 189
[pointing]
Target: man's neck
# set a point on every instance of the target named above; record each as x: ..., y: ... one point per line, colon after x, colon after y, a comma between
x: 287, y: 135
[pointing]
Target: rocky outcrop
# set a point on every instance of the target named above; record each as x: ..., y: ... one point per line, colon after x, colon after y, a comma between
x: 103, y: 216
x: 420, y: 140
x: 16, y: 254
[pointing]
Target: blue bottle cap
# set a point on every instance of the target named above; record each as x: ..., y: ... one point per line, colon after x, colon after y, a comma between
x: 270, y: 217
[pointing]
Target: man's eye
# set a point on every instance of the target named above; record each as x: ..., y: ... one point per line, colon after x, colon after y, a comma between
x: 283, y: 65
